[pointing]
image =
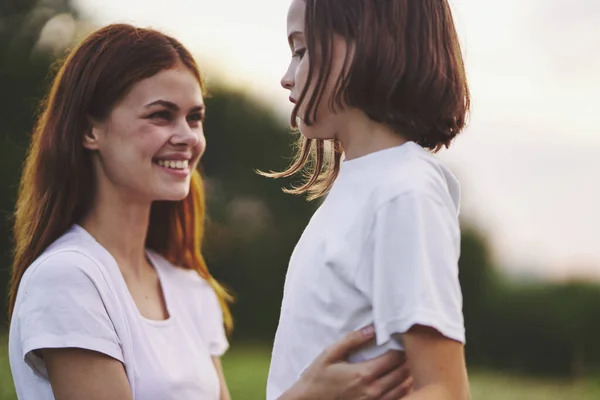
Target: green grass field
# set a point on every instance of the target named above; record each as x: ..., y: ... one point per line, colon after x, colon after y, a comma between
x: 246, y: 370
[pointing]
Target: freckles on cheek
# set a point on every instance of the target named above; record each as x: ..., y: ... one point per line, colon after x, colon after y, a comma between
x: 143, y: 130
x: 150, y: 136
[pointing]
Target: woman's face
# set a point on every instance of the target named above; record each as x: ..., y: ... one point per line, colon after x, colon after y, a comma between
x: 295, y: 78
x: 153, y: 138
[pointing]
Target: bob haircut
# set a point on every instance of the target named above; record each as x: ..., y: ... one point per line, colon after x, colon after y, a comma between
x: 406, y: 72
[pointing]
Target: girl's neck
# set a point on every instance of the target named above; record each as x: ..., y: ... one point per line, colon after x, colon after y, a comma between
x: 360, y: 135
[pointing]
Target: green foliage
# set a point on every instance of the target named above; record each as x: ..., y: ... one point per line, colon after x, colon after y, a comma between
x: 544, y: 329
x: 477, y: 279
x: 253, y: 225
x: 537, y: 329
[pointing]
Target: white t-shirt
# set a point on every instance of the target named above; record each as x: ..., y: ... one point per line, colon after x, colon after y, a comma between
x: 74, y: 295
x: 383, y: 248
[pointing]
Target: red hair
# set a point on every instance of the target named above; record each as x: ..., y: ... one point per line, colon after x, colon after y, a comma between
x: 57, y: 186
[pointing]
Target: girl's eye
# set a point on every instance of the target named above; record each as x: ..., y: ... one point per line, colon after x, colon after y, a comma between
x: 299, y: 53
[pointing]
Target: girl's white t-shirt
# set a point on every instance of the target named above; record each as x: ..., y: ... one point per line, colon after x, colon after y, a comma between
x: 74, y: 295
x: 382, y: 249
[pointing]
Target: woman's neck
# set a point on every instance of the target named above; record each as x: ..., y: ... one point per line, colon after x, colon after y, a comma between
x: 120, y: 225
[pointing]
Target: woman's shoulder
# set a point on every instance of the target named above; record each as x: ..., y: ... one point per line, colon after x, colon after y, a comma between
x: 68, y: 278
x: 73, y: 256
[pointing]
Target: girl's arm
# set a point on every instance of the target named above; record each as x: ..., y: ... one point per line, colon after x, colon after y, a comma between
x: 437, y: 365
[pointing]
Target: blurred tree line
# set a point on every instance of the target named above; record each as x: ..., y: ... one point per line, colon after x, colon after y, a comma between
x: 546, y: 329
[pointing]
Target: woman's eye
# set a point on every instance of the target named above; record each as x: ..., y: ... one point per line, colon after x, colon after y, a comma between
x: 196, y: 117
x: 164, y: 115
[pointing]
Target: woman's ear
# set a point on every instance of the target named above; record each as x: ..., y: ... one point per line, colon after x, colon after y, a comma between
x: 90, y: 138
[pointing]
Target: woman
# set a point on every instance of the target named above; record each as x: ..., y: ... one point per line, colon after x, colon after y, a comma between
x: 110, y: 295
x: 377, y: 82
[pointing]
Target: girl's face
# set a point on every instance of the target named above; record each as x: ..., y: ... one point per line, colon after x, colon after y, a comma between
x: 295, y: 78
x: 153, y: 138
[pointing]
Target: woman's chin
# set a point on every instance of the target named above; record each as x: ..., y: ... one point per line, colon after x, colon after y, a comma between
x: 176, y: 194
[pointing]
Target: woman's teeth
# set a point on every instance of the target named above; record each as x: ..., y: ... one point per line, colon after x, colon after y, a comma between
x: 181, y: 164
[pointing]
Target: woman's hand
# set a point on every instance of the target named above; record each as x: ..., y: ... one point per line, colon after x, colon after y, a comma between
x: 330, y: 377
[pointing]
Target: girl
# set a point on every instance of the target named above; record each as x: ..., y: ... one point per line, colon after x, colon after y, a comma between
x: 110, y: 295
x: 377, y: 82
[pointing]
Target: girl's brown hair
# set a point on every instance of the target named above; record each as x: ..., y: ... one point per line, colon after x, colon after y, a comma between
x: 57, y: 186
x: 406, y: 72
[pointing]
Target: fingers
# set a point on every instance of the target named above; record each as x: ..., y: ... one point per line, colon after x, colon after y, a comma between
x: 341, y: 349
x: 394, y: 382
x: 385, y: 363
x: 407, y: 387
x: 400, y: 390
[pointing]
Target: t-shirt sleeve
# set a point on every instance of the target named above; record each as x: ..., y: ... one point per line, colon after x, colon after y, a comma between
x: 61, y: 307
x: 214, y: 329
x: 413, y: 279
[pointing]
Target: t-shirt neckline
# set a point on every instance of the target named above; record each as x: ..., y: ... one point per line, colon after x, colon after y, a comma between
x: 371, y: 160
x: 161, y: 278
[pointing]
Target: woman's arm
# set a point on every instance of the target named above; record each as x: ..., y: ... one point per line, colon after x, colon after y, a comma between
x: 437, y: 365
x: 330, y: 377
x: 83, y: 374
x: 224, y: 389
